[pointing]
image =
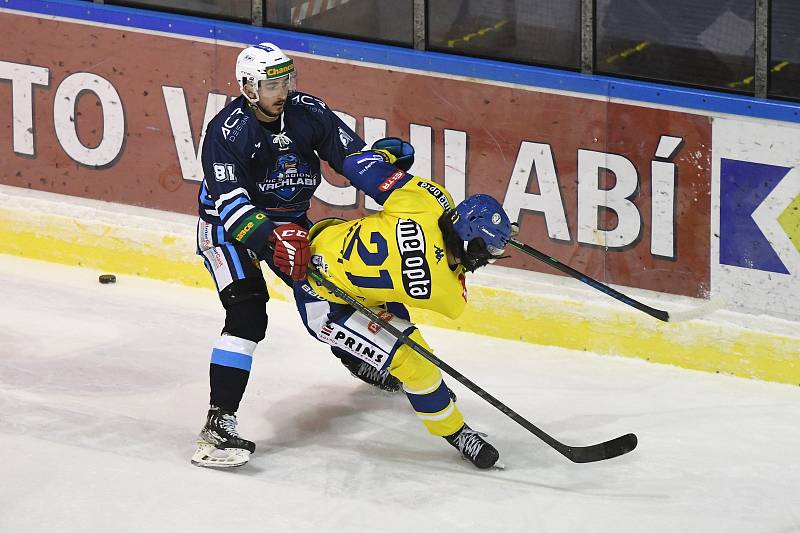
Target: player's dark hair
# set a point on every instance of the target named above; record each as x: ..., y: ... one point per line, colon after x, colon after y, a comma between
x: 452, y: 242
x: 474, y: 255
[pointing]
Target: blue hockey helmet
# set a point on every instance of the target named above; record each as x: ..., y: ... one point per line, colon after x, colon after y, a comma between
x: 483, y: 228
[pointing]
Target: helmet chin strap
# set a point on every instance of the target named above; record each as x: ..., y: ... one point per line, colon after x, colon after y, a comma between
x: 253, y: 101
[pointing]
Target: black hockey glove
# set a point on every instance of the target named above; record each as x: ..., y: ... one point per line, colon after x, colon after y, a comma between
x: 399, y: 148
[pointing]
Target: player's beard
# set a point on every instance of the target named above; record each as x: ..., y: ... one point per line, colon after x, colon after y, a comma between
x: 276, y: 105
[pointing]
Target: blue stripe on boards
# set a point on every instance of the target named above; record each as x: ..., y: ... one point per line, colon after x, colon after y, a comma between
x: 393, y: 56
x: 430, y: 403
x: 231, y: 359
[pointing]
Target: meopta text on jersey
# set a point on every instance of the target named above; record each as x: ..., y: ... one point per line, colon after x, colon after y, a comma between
x: 388, y: 260
x: 397, y: 254
x: 257, y: 174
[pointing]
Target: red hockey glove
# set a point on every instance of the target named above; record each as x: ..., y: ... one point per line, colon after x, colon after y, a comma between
x: 291, y: 250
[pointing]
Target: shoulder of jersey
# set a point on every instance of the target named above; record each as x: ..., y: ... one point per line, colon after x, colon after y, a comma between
x: 226, y: 126
x: 232, y: 108
x: 429, y: 192
x: 306, y: 102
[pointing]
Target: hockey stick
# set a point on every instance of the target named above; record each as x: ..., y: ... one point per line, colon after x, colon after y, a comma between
x: 675, y: 316
x: 576, y: 454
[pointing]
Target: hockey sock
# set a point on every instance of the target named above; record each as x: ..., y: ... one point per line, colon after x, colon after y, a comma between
x: 231, y: 359
x: 435, y: 408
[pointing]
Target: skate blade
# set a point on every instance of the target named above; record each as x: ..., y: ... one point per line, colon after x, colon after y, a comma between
x: 498, y: 465
x: 209, y: 456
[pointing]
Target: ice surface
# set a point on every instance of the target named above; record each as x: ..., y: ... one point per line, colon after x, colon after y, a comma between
x: 103, y: 389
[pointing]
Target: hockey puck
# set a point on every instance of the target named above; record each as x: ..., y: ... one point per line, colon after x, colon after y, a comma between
x: 107, y: 278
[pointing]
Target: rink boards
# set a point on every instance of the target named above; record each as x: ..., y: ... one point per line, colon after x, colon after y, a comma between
x: 142, y: 242
x: 619, y: 180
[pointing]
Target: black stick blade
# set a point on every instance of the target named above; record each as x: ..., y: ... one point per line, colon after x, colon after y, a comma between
x: 602, y: 451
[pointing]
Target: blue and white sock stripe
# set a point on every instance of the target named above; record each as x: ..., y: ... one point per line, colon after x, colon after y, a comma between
x: 432, y: 402
x: 423, y: 391
x: 439, y: 415
x: 233, y: 352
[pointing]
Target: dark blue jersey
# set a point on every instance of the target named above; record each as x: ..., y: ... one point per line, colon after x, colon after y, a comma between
x: 255, y: 177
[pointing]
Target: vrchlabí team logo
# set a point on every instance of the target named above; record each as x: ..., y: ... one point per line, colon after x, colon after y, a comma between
x: 289, y: 176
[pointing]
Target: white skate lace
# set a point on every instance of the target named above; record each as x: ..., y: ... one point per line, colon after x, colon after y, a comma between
x: 228, y: 423
x: 469, y: 442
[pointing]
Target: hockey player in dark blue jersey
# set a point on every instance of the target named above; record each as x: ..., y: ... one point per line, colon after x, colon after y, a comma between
x: 261, y: 165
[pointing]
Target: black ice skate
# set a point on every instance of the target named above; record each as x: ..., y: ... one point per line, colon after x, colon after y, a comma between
x: 219, y: 444
x: 369, y: 374
x: 472, y: 446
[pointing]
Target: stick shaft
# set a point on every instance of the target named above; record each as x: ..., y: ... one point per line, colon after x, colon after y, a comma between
x: 602, y: 287
x: 596, y: 452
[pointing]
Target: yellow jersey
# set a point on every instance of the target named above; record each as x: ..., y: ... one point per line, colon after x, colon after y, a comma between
x: 394, y: 255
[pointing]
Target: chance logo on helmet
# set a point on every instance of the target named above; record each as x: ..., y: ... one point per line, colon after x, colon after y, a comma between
x: 263, y: 62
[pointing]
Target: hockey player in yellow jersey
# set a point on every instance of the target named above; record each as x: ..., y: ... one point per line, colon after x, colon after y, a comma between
x: 413, y: 253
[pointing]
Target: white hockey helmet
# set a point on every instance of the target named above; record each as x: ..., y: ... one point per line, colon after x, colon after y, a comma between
x: 260, y: 62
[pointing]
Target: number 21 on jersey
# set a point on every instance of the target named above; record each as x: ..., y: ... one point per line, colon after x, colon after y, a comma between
x: 383, y: 280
